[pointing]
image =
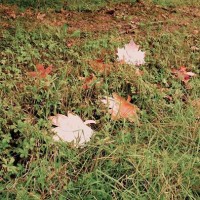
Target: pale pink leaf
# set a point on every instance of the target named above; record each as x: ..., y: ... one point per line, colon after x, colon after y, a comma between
x: 131, y: 54
x: 71, y: 128
x: 190, y: 74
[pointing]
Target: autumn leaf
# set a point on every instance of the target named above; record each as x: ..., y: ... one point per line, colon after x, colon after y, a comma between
x: 131, y: 54
x: 5, y: 25
x: 99, y: 66
x: 71, y: 128
x: 138, y: 72
x: 121, y: 108
x: 40, y: 16
x: 11, y: 13
x: 182, y: 74
x: 27, y: 13
x: 88, y: 81
x: 69, y: 44
x: 40, y: 72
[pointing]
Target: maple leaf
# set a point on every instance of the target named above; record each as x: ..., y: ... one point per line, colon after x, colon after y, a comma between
x: 99, y: 66
x: 71, y: 128
x: 182, y: 74
x: 88, y: 81
x: 131, y: 54
x: 40, y: 72
x: 121, y: 108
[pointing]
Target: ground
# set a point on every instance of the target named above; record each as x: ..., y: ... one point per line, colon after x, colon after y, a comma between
x: 155, y: 157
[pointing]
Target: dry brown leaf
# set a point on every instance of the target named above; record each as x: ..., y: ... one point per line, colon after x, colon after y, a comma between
x: 138, y: 72
x: 88, y: 81
x: 28, y: 12
x: 40, y: 16
x: 121, y: 108
x: 183, y: 74
x: 41, y: 72
x: 11, y: 13
x: 99, y: 66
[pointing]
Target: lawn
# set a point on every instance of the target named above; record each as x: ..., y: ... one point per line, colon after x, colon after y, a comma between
x: 62, y: 57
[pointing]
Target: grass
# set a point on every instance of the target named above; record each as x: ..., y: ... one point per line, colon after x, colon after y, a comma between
x: 81, y: 5
x: 155, y: 159
x: 176, y: 2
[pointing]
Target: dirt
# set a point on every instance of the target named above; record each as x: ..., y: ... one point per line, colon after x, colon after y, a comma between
x: 126, y: 18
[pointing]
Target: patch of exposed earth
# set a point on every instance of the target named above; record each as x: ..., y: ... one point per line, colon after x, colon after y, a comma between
x: 126, y: 18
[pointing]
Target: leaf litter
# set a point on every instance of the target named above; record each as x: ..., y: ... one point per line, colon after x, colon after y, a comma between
x: 72, y: 128
x: 129, y: 54
x: 78, y: 25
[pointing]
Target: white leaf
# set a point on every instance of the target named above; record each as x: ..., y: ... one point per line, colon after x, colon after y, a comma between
x: 131, y: 54
x: 71, y: 128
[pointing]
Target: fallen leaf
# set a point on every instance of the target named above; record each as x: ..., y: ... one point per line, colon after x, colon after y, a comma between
x: 121, y: 108
x: 194, y: 48
x: 131, y: 54
x: 88, y: 81
x: 69, y: 44
x: 40, y: 72
x: 27, y: 12
x: 11, y: 13
x: 71, y: 128
x: 138, y: 72
x: 182, y: 74
x: 195, y: 32
x: 40, y: 16
x: 5, y: 25
x: 99, y: 66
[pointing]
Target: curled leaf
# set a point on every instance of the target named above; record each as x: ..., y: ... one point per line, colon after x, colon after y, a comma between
x: 121, y: 108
